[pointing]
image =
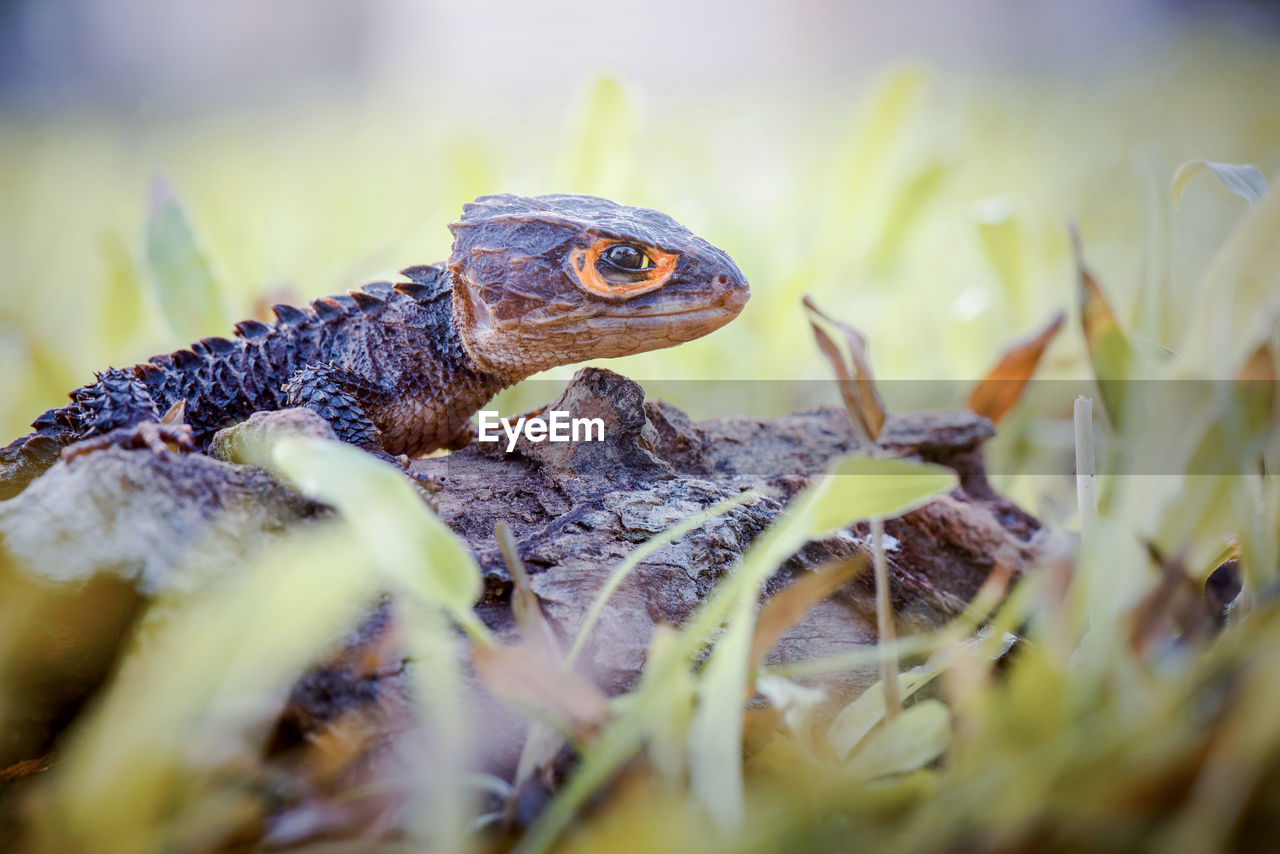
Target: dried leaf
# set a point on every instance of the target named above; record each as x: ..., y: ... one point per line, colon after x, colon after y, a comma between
x: 1260, y: 366
x: 534, y: 628
x: 338, y: 744
x: 525, y: 679
x: 1001, y: 389
x: 853, y: 372
x: 1175, y: 607
x: 787, y: 607
x: 23, y: 768
x: 1259, y: 378
x: 176, y: 414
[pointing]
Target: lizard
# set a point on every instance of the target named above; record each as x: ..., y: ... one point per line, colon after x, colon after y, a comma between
x: 398, y: 368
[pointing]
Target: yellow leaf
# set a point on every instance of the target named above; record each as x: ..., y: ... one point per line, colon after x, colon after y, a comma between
x: 859, y: 487
x: 412, y: 546
x: 915, y: 738
x: 858, y: 718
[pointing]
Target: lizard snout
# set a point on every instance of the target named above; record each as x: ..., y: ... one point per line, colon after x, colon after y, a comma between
x: 732, y: 288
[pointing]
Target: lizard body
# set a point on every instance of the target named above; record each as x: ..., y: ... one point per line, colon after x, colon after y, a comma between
x: 399, y: 368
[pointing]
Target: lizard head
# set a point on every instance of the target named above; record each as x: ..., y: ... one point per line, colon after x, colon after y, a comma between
x: 552, y: 280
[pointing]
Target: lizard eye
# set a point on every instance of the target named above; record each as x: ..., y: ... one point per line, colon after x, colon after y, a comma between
x: 616, y: 271
x: 627, y: 257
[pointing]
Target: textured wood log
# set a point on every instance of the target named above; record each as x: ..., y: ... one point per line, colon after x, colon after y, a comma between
x: 576, y: 510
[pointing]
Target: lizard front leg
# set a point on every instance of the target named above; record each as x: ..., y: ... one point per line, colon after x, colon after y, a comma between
x: 343, y: 398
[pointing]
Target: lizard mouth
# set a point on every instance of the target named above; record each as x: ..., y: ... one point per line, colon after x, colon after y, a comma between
x: 728, y: 305
x: 680, y: 325
x: 658, y: 315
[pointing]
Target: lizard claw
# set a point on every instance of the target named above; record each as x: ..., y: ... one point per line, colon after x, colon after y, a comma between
x: 428, y: 482
x: 159, y: 437
x: 428, y: 485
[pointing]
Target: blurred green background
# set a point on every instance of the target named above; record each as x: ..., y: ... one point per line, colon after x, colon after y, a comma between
x: 914, y: 170
x: 914, y: 167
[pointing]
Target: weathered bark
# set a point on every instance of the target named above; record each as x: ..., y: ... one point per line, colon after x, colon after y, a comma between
x: 576, y: 510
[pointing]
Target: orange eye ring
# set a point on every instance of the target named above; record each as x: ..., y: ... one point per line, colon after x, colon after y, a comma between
x: 583, y: 267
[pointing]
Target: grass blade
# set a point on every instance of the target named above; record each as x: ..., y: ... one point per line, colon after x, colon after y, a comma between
x: 181, y: 274
x: 787, y: 607
x: 884, y: 621
x: 1110, y: 352
x: 916, y: 738
x: 887, y: 487
x: 1243, y: 179
x: 410, y: 543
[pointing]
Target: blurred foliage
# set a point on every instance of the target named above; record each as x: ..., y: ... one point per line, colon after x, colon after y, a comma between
x: 930, y: 211
x: 922, y: 207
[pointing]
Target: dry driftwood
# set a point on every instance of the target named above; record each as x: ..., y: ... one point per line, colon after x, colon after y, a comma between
x: 126, y: 519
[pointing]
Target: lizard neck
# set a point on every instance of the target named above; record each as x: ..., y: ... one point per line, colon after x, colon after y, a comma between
x: 466, y: 323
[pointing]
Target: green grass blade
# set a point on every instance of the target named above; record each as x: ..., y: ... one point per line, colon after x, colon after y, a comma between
x: 910, y: 741
x: 180, y: 272
x: 409, y: 542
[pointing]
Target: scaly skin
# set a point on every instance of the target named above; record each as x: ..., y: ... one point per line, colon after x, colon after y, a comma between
x: 399, y: 368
